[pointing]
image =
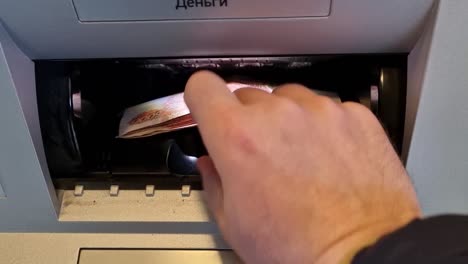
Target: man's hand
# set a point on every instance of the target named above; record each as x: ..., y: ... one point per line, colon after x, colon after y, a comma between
x: 294, y: 177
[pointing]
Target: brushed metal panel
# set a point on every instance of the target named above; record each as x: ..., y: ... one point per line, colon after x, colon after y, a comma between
x: 119, y: 256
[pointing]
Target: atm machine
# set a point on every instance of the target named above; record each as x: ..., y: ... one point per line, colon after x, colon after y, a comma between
x: 72, y: 192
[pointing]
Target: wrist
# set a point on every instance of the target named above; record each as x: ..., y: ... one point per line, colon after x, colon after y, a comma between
x: 344, y: 249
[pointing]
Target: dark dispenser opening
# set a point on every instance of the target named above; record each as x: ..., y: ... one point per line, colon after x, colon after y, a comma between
x: 81, y: 103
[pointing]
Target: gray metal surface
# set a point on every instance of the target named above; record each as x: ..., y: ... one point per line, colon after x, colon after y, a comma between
x: 122, y: 256
x: 32, y: 204
x: 52, y: 248
x: 51, y: 29
x: 417, y: 62
x: 146, y: 10
x: 438, y: 153
x: 2, y: 193
x: 21, y: 70
x: 20, y: 171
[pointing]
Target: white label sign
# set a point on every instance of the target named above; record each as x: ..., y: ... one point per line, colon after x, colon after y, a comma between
x: 153, y: 10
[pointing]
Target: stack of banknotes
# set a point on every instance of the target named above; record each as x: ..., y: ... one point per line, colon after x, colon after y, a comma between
x: 170, y: 113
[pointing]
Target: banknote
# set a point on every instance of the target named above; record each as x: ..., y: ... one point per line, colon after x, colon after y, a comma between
x: 169, y: 114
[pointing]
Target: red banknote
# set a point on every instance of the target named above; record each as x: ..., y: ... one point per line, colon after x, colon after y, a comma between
x: 168, y: 114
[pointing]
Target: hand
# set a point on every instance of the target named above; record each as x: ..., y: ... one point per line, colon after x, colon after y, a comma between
x: 294, y: 177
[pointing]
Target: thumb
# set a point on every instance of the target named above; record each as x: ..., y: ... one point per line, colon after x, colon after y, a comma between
x: 213, y: 188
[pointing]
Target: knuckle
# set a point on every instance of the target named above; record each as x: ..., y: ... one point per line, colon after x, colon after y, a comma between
x: 363, y: 115
x: 287, y: 108
x: 357, y: 109
x: 296, y: 86
x: 242, y: 92
x: 326, y: 104
x: 291, y: 87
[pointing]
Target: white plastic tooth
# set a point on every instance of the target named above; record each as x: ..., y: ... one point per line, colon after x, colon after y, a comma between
x: 114, y: 190
x: 79, y: 190
x: 149, y: 191
x: 186, y: 190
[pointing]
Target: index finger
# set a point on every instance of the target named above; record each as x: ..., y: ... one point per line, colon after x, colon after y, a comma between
x: 209, y: 99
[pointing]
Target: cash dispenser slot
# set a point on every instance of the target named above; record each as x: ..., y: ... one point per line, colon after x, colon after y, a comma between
x: 81, y: 103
